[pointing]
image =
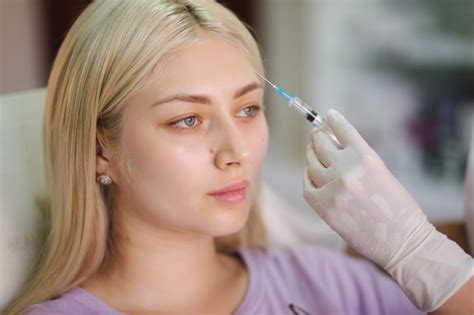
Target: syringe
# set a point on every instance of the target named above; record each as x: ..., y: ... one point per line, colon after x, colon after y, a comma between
x: 301, y: 107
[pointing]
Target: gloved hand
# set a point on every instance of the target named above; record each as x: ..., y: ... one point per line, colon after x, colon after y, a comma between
x: 358, y: 197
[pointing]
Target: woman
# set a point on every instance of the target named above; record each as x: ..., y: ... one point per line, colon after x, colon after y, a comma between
x: 154, y: 138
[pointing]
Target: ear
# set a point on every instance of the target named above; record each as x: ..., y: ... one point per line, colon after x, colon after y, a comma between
x: 101, y: 162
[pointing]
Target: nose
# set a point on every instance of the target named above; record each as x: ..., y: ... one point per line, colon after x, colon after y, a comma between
x: 230, y: 149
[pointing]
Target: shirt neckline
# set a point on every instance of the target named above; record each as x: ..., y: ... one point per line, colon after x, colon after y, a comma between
x: 91, y: 301
x: 252, y: 298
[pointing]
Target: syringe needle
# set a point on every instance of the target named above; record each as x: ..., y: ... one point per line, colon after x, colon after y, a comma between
x: 268, y: 81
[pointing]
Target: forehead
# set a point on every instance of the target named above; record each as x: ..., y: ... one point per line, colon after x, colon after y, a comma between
x: 207, y: 61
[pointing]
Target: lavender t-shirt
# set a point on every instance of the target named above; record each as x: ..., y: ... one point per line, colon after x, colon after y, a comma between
x: 302, y: 280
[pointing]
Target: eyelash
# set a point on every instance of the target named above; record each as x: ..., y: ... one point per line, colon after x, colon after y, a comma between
x: 256, y: 108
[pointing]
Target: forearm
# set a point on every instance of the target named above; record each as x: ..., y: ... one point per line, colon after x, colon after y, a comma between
x: 462, y: 302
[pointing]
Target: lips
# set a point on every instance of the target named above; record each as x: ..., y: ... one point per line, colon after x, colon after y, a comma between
x: 231, y: 194
x: 230, y: 188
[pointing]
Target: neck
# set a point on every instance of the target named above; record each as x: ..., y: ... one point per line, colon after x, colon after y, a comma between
x: 164, y: 270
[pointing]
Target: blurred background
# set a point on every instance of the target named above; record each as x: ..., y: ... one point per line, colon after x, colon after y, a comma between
x: 401, y: 71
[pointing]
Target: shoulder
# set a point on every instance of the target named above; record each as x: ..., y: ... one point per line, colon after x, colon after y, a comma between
x: 312, y: 262
x: 308, y: 260
x: 75, y: 301
x: 335, y: 270
x: 43, y: 308
x: 332, y: 276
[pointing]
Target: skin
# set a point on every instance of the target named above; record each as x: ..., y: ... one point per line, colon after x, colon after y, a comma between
x: 167, y: 221
x: 461, y: 302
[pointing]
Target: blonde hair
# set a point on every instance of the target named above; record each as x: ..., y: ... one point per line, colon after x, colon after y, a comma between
x: 105, y: 58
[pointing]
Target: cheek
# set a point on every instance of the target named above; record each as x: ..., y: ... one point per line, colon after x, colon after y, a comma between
x: 158, y: 162
x: 167, y: 166
x: 258, y: 143
x: 169, y: 180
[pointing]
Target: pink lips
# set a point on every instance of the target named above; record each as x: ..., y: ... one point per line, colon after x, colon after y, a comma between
x: 233, y: 193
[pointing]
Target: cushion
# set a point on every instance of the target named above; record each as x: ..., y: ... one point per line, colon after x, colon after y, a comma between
x: 22, y: 186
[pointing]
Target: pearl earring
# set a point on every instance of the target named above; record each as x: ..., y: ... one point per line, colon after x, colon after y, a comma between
x: 104, y: 179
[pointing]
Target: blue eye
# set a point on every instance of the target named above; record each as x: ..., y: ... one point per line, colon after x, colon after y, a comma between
x: 188, y: 122
x: 249, y: 111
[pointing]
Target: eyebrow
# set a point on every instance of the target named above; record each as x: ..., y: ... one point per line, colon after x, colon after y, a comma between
x: 203, y: 99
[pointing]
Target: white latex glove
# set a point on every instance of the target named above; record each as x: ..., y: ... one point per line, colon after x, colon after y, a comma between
x: 358, y: 197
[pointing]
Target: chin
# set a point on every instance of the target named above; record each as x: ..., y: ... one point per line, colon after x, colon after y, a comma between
x: 229, y: 222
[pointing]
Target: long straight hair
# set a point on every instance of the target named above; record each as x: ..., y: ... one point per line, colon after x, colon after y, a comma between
x: 105, y: 58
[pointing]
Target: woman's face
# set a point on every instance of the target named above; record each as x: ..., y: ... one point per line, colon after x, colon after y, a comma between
x: 197, y: 128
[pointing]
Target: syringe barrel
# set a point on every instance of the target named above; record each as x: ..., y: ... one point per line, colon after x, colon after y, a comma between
x: 313, y: 117
x: 316, y: 120
x: 320, y: 122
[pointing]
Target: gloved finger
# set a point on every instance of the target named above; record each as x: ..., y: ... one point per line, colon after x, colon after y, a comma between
x: 317, y: 198
x: 318, y: 173
x: 309, y: 187
x: 325, y: 149
x: 345, y: 132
